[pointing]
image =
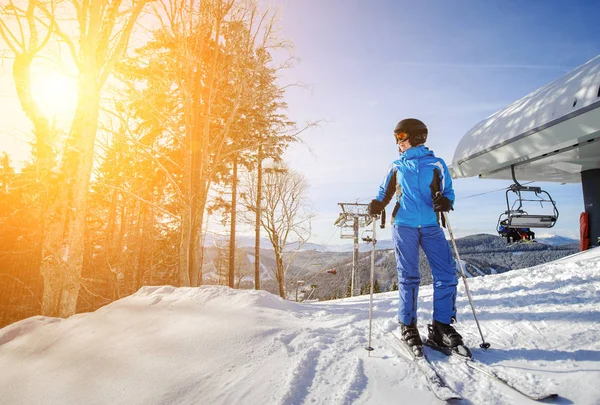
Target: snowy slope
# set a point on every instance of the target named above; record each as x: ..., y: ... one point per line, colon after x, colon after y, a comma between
x: 214, y: 345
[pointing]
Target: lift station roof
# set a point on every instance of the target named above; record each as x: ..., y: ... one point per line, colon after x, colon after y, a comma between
x: 552, y: 134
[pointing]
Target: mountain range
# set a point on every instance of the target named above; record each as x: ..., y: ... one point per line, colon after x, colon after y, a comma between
x: 248, y: 241
x: 325, y: 272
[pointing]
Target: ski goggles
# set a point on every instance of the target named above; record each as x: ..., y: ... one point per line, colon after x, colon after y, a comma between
x: 401, y: 137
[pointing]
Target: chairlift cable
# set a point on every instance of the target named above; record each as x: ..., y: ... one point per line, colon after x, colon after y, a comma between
x: 491, y: 191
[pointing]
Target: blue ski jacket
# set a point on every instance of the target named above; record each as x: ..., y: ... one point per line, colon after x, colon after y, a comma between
x: 411, y: 178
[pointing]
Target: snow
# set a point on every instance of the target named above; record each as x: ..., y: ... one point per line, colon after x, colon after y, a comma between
x: 265, y: 273
x: 464, y: 267
x: 382, y: 259
x: 215, y: 345
x: 478, y: 270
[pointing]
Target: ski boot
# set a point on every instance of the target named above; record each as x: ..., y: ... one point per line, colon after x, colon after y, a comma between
x: 412, y: 338
x: 446, y: 339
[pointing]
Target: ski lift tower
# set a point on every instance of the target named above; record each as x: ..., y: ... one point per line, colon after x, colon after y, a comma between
x: 353, y: 217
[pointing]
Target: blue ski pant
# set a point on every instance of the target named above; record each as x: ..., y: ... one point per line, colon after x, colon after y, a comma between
x: 431, y: 238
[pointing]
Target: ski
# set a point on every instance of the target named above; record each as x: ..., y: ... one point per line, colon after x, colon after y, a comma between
x: 436, y: 382
x: 531, y: 391
x: 461, y: 351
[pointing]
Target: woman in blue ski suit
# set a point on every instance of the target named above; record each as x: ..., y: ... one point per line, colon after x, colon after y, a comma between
x: 423, y: 189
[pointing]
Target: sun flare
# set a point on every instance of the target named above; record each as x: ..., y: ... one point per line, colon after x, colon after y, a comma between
x: 55, y: 93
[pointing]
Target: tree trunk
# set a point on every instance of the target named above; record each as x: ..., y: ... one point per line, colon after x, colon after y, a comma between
x: 187, y: 217
x: 196, y: 247
x: 196, y: 250
x: 232, y: 230
x: 141, y: 242
x: 63, y: 241
x: 280, y: 275
x: 257, y: 223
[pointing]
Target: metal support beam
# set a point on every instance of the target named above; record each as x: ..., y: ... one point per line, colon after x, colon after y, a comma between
x: 590, y: 182
x: 355, y: 275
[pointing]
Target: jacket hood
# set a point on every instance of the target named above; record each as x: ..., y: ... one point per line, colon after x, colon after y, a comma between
x: 416, y: 152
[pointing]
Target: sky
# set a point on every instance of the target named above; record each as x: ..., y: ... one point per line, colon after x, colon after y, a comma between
x: 216, y: 345
x: 368, y: 65
x: 363, y: 66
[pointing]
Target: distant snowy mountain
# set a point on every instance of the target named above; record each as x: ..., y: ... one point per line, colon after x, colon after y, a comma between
x: 348, y: 247
x: 556, y: 240
x: 265, y: 243
x: 481, y: 254
x: 384, y: 244
x: 240, y: 241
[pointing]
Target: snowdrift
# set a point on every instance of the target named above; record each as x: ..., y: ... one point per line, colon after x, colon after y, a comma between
x: 215, y: 345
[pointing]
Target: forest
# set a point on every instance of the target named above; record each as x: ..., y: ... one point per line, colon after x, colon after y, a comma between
x: 178, y: 120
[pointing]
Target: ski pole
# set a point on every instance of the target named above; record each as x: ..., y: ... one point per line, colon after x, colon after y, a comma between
x: 483, y: 345
x: 374, y: 241
x: 369, y: 348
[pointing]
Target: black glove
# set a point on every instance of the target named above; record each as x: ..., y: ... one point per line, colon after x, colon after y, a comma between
x: 442, y: 204
x: 375, y: 207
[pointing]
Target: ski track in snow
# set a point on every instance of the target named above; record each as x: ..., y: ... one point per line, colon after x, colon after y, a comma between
x: 214, y: 345
x: 319, y: 360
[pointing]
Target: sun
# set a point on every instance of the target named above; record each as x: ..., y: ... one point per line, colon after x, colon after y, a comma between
x: 55, y: 94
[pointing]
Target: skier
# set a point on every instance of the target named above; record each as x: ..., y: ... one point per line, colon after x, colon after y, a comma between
x: 415, y: 219
x: 511, y: 234
x: 515, y: 234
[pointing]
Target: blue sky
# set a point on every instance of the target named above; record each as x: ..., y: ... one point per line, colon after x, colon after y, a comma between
x: 366, y: 65
x: 449, y: 63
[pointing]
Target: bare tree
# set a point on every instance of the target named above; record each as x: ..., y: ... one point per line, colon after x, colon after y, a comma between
x: 214, y: 51
x: 284, y: 214
x: 102, y: 31
x: 26, y: 40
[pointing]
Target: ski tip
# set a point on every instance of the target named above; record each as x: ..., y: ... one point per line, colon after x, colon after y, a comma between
x: 545, y: 397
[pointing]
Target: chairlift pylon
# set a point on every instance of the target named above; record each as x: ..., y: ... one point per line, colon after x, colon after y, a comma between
x: 517, y: 219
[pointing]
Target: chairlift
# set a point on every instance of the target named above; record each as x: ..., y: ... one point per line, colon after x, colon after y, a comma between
x: 517, y: 220
x: 514, y: 234
x: 367, y: 235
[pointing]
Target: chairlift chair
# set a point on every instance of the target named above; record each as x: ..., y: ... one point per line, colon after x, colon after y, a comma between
x: 517, y: 218
x: 367, y: 235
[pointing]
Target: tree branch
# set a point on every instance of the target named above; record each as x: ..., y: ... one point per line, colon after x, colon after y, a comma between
x: 62, y: 36
x: 158, y: 207
x: 14, y: 9
x: 5, y: 32
x: 121, y: 45
x: 20, y: 282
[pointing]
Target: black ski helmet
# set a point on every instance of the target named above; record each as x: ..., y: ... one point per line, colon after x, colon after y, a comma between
x: 416, y: 130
